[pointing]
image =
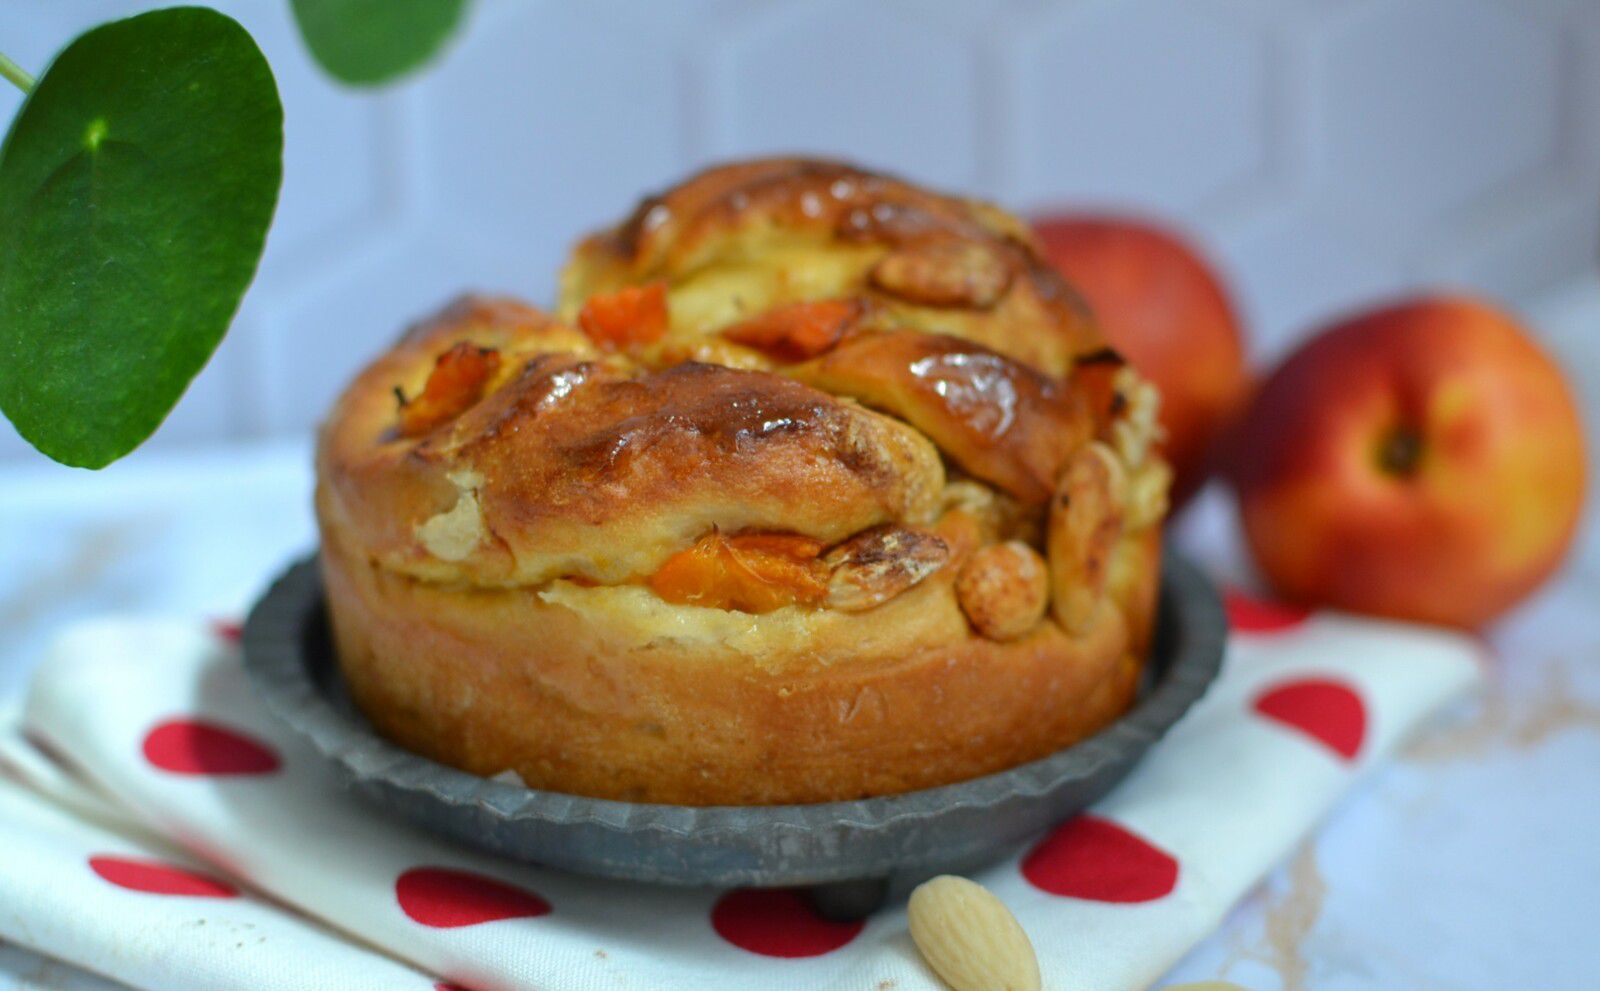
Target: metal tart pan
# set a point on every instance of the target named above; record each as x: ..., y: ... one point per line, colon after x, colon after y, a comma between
x: 858, y: 852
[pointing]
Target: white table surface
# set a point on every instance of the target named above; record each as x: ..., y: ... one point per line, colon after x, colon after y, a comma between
x: 1472, y: 862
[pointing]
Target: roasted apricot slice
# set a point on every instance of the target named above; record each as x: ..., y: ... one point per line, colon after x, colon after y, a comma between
x: 459, y: 379
x: 631, y: 316
x: 798, y: 331
x: 755, y: 572
x: 1095, y: 375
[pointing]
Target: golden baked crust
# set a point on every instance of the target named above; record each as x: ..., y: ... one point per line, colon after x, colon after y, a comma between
x: 795, y: 377
x: 608, y: 692
x: 581, y: 466
x: 742, y: 238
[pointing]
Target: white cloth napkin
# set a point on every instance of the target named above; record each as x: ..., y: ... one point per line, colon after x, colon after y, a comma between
x: 162, y: 829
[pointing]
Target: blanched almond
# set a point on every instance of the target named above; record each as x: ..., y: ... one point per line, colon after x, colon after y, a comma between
x: 459, y: 378
x: 970, y: 938
x: 878, y: 564
x: 1138, y: 430
x: 456, y: 532
x: 944, y: 273
x: 1003, y: 589
x: 1147, y: 495
x: 1085, y: 525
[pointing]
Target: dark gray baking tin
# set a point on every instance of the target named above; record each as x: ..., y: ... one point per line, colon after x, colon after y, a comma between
x: 858, y: 851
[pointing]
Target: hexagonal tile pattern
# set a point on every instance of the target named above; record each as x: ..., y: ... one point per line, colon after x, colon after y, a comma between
x: 1521, y: 245
x: 545, y: 122
x: 1330, y: 153
x: 873, y: 83
x: 340, y: 164
x: 1304, y: 269
x: 1426, y: 104
x: 1152, y: 104
x: 1581, y: 126
x: 324, y: 333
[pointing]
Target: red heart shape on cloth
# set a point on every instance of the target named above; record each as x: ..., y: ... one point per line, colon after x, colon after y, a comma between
x: 778, y: 923
x: 444, y: 898
x: 1097, y: 860
x: 1328, y: 711
x: 152, y: 877
x: 1247, y: 614
x: 200, y: 747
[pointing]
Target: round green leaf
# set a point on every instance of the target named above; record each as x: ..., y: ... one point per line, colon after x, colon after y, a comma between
x: 366, y: 42
x: 136, y: 187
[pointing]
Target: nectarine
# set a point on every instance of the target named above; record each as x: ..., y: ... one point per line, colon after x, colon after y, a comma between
x: 1161, y: 305
x: 1422, y: 461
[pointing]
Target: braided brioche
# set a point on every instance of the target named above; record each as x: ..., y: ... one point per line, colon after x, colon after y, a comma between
x: 816, y: 486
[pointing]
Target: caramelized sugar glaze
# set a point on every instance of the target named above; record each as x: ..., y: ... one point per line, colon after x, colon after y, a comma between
x: 789, y: 391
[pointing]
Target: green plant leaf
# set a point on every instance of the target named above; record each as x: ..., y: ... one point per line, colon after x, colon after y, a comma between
x: 136, y: 187
x: 368, y: 42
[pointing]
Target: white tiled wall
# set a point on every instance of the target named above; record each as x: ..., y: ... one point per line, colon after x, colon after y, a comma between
x: 1327, y: 151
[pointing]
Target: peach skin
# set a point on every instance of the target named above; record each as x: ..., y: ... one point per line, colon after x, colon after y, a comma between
x: 1421, y: 461
x: 1160, y: 303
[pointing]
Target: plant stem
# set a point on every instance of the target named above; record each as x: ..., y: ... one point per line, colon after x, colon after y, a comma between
x: 15, y: 73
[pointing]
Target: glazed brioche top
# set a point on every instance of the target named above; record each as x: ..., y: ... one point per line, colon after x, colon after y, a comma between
x: 736, y: 240
x: 780, y: 346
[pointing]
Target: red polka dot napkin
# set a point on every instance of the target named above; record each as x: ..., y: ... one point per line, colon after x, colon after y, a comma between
x: 157, y: 826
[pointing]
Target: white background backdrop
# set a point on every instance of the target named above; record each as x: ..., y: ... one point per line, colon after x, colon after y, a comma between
x: 1327, y: 152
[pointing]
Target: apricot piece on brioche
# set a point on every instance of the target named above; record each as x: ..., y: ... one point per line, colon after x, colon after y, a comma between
x: 630, y: 316
x: 458, y: 380
x: 799, y: 330
x: 753, y: 573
